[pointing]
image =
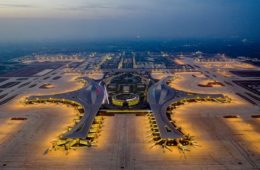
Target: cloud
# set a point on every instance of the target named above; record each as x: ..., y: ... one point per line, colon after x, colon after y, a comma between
x: 83, y: 7
x: 16, y: 6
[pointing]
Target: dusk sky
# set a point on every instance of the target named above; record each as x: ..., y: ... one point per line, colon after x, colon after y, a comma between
x: 147, y: 19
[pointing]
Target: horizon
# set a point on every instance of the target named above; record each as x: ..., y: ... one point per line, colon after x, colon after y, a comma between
x: 231, y: 47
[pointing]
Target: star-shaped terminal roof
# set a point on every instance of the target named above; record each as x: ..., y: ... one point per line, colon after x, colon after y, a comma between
x: 161, y: 96
x: 90, y: 97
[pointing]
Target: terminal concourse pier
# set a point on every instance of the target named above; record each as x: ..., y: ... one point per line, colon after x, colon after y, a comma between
x: 87, y: 124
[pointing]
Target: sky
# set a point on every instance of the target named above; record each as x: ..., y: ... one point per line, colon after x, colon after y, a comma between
x: 41, y: 20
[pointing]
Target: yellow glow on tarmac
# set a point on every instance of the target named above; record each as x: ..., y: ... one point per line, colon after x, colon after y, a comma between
x: 104, y: 134
x: 189, y: 127
x: 60, y: 127
x: 179, y: 61
x: 66, y: 113
x: 158, y: 75
x: 69, y: 84
x: 188, y: 83
x: 207, y: 81
x: 66, y: 84
x: 245, y: 132
x: 145, y: 145
x: 71, y: 155
x: 224, y: 73
x: 226, y: 65
x: 8, y: 128
x: 190, y: 117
